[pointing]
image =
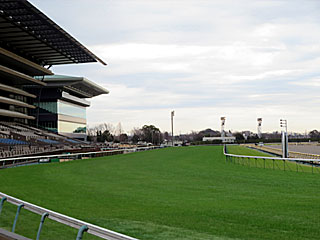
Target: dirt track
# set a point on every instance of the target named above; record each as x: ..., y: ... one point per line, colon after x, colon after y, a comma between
x: 313, y: 149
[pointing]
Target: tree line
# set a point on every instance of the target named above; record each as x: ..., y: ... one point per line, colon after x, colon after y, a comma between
x: 107, y: 132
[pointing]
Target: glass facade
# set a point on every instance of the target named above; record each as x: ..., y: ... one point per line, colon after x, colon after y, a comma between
x: 69, y: 115
x: 70, y: 109
x: 69, y: 127
x: 50, y: 125
x: 65, y: 108
x: 50, y: 107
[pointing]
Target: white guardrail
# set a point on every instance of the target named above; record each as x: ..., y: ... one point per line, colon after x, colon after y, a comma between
x: 69, y: 221
x: 314, y: 164
x: 72, y: 222
x: 271, y: 158
x: 274, y: 158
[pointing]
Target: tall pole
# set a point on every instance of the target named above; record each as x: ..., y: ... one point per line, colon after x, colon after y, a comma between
x: 223, y: 120
x: 284, y: 124
x: 259, y: 127
x: 172, y: 138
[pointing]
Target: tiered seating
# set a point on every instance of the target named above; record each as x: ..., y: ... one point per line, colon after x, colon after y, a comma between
x: 28, y: 134
x: 24, y: 132
x: 56, y: 136
x: 21, y: 140
x: 72, y: 141
x: 4, y: 134
x: 48, y: 141
x: 9, y: 141
x: 4, y: 128
x: 22, y: 150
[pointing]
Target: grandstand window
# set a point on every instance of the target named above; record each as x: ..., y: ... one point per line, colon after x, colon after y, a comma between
x: 48, y: 106
x: 69, y: 127
x: 65, y: 108
x: 50, y: 125
x: 71, y: 109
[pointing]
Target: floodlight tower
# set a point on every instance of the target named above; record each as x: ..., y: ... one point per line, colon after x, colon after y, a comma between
x: 223, y: 120
x: 259, y: 127
x: 284, y: 133
x: 172, y: 138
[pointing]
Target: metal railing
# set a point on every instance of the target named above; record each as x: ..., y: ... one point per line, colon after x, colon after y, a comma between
x: 8, y: 162
x: 69, y: 221
x: 58, y: 217
x: 301, y: 164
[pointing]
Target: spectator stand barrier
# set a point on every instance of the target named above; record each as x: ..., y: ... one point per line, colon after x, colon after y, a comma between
x: 10, y: 162
x: 285, y: 164
x: 69, y: 221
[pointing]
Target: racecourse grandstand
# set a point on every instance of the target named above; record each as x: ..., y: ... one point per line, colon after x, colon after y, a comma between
x: 39, y: 111
x: 62, y: 104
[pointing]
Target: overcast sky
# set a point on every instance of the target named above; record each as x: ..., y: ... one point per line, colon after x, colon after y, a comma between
x: 203, y: 59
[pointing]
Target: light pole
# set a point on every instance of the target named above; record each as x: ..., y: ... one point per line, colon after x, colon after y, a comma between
x: 172, y: 139
x: 223, y: 121
x: 259, y: 127
x: 283, y: 123
x: 284, y: 135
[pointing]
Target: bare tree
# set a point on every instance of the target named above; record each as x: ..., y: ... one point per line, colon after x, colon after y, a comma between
x: 137, y: 134
x: 110, y: 128
x: 136, y: 131
x: 92, y: 131
x: 119, y: 129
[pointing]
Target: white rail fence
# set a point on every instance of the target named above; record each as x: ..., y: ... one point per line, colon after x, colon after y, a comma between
x: 69, y: 221
x: 301, y: 164
x: 58, y: 217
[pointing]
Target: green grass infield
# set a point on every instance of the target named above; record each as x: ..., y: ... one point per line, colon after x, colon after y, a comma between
x: 173, y: 193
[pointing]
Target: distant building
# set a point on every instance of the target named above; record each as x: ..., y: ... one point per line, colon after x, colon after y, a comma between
x: 222, y: 139
x: 176, y: 143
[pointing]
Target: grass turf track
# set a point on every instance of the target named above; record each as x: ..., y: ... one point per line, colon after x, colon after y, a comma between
x: 173, y: 193
x: 241, y: 150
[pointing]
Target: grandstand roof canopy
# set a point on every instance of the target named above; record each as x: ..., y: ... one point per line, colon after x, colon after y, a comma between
x: 17, y: 78
x: 78, y: 86
x: 28, y: 32
x: 21, y: 64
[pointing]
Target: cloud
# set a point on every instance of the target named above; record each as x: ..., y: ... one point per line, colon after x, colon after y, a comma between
x: 315, y: 82
x: 205, y: 59
x: 138, y: 98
